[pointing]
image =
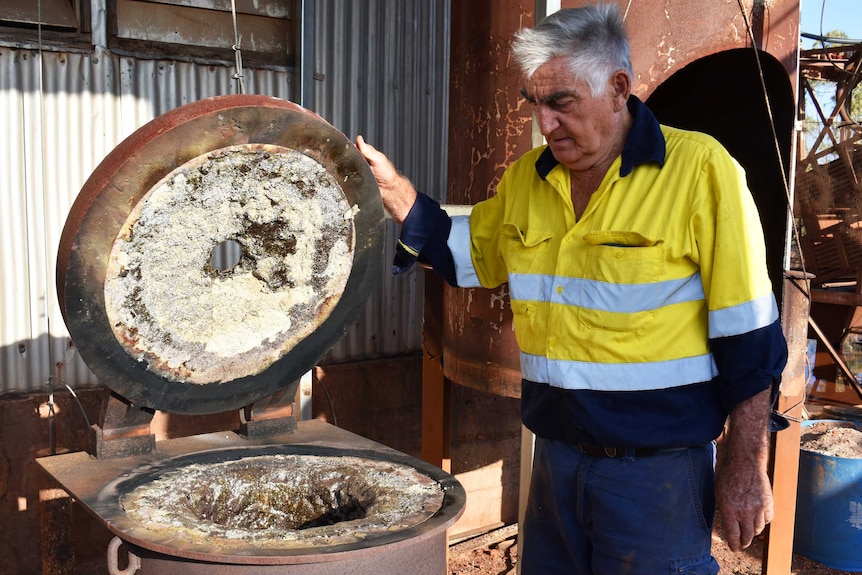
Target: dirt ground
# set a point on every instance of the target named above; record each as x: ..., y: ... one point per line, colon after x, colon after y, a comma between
x: 497, y: 554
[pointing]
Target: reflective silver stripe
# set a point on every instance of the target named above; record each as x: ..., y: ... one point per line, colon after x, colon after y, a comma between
x: 744, y: 317
x: 642, y: 376
x: 459, y: 245
x: 621, y: 298
x: 530, y: 287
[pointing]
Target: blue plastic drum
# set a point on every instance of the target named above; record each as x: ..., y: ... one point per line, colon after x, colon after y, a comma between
x: 829, y: 505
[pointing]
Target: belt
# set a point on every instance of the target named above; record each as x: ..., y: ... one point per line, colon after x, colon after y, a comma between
x: 615, y: 452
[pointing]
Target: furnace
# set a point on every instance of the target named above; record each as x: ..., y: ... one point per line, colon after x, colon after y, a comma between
x: 167, y: 325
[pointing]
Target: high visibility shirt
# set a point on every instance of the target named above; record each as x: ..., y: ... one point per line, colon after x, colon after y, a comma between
x: 618, y: 313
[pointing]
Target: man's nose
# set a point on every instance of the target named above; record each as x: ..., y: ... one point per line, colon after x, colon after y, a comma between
x: 546, y: 118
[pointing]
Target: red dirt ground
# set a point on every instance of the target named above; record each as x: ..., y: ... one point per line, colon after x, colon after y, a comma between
x: 500, y: 557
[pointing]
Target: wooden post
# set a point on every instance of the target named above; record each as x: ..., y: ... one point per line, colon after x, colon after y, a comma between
x: 435, y: 388
x: 57, y: 531
x: 784, y: 468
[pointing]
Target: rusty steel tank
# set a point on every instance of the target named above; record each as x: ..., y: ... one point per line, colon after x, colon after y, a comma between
x: 700, y: 65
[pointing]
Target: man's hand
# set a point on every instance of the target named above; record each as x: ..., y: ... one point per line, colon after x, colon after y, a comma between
x: 743, y: 492
x: 396, y: 191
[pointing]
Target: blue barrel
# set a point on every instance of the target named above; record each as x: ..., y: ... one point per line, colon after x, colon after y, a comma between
x: 829, y: 507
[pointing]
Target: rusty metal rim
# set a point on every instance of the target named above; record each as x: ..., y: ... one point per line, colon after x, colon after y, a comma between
x: 107, y: 506
x: 140, y: 161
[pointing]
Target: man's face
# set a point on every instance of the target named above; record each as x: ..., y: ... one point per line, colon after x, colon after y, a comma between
x: 579, y: 128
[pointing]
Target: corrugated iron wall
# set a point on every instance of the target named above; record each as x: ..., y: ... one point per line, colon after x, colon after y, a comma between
x: 382, y: 70
x: 56, y: 131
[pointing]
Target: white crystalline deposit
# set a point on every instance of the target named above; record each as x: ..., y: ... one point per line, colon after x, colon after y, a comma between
x: 195, y: 323
x: 284, y: 501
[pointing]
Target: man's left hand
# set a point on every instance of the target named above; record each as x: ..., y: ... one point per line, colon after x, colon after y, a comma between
x: 743, y: 491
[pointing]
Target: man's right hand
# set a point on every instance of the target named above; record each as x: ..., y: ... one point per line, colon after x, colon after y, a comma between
x: 396, y: 191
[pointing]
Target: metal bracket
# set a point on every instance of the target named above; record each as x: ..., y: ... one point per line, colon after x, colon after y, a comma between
x: 123, y: 430
x: 275, y: 415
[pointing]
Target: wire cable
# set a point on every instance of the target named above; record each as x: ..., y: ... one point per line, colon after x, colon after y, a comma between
x: 331, y: 404
x: 626, y: 13
x: 785, y: 181
x: 771, y: 116
x: 238, y: 74
x: 55, y: 384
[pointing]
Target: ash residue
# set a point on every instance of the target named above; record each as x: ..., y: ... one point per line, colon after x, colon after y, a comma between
x: 836, y: 439
x: 285, y: 500
x: 250, y: 498
x: 197, y: 324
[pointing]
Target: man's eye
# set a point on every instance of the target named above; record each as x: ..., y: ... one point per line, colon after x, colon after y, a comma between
x: 563, y: 104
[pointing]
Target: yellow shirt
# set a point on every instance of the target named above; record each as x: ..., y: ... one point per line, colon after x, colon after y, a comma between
x: 627, y: 297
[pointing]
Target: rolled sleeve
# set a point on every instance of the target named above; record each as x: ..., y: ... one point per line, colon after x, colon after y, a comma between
x: 423, y: 238
x: 749, y: 363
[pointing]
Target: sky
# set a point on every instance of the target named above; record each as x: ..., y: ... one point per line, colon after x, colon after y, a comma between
x: 844, y: 15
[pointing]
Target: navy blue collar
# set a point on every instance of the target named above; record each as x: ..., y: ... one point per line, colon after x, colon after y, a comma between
x: 644, y: 142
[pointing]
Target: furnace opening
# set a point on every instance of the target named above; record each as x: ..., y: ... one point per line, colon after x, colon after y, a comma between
x: 248, y: 497
x: 284, y: 501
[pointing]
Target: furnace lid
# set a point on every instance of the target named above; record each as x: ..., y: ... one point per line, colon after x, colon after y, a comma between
x: 155, y: 318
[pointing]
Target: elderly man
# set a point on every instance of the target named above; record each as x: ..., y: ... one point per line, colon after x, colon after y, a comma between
x: 642, y: 307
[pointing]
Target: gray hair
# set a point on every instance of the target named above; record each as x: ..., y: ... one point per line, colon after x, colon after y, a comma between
x: 592, y: 39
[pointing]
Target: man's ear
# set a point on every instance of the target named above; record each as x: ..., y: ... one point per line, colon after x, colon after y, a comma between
x: 622, y: 88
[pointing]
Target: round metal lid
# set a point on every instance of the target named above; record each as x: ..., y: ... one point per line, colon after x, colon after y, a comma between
x: 152, y: 315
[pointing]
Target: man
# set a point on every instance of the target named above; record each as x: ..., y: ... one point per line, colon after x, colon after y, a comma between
x: 642, y: 307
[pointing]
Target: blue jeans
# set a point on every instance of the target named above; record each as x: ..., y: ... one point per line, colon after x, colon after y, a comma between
x: 634, y: 516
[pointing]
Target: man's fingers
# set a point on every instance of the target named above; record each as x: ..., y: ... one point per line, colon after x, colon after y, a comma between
x: 362, y: 144
x: 761, y: 523
x: 731, y: 534
x: 396, y: 191
x: 365, y: 148
x: 769, y: 513
x: 740, y: 534
x: 383, y: 169
x: 374, y: 156
x: 746, y: 536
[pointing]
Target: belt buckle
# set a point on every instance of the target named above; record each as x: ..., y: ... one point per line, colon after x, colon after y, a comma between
x: 611, y: 452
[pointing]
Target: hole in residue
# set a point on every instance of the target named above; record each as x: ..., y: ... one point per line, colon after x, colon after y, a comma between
x: 225, y: 256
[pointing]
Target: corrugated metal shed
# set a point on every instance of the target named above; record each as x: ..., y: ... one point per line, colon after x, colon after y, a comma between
x: 383, y: 71
x: 64, y: 111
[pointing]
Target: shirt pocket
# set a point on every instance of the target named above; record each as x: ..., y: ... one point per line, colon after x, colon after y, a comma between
x: 620, y: 287
x: 525, y: 251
